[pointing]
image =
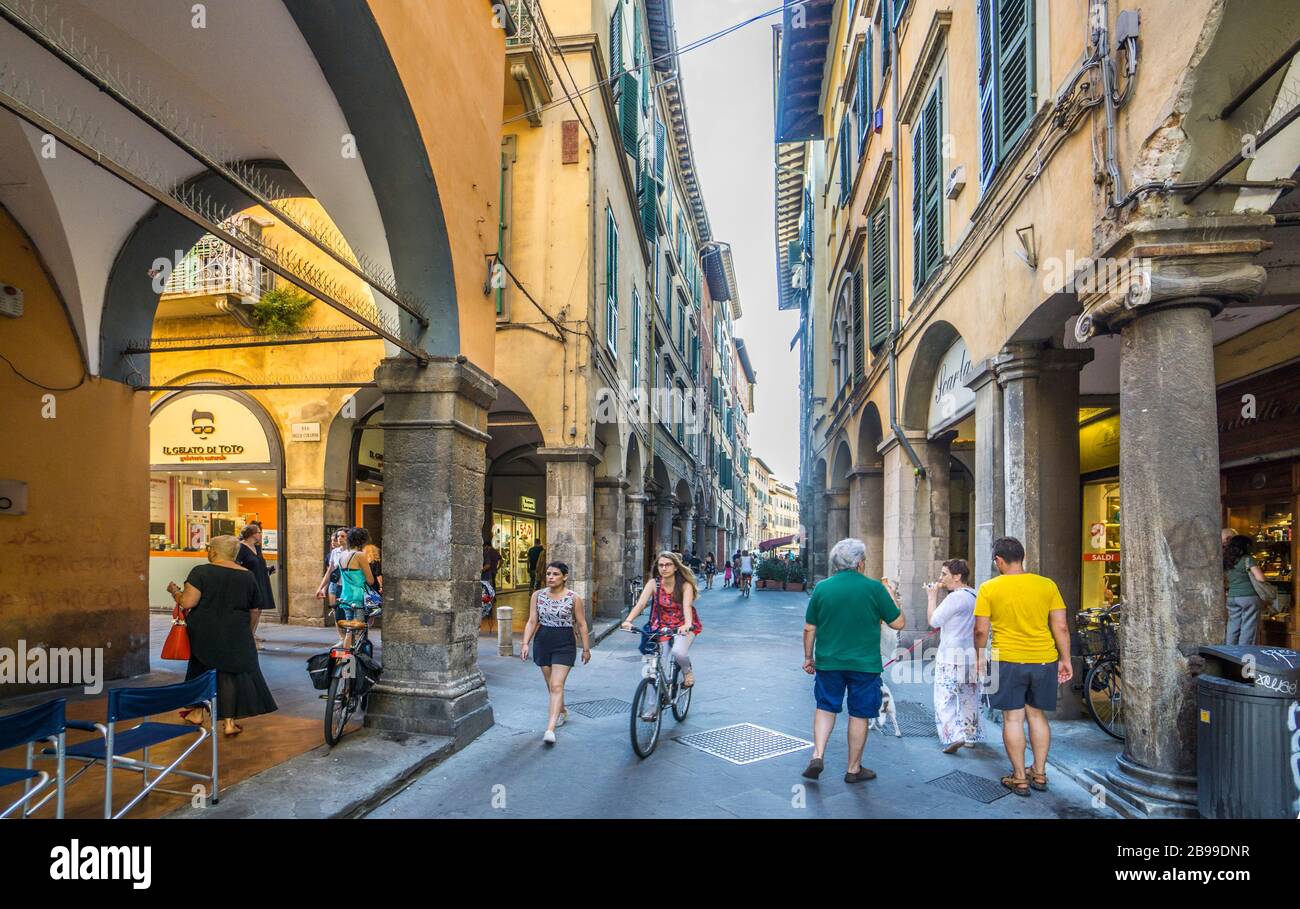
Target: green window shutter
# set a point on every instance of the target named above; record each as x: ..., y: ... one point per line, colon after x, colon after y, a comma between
x: 885, y: 31
x: 611, y: 280
x: 846, y: 161
x: 863, y: 97
x: 616, y: 42
x: 668, y: 315
x: 918, y: 197
x: 1015, y: 88
x: 661, y: 149
x: 933, y: 215
x: 649, y: 206
x: 630, y: 113
x: 988, y: 137
x: 878, y: 262
x: 859, y: 346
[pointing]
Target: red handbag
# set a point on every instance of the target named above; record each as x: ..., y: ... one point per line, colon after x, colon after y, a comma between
x: 177, y: 645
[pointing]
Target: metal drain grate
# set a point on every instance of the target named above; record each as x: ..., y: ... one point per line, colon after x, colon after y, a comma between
x: 603, y: 708
x: 972, y: 787
x: 915, y: 720
x: 744, y: 743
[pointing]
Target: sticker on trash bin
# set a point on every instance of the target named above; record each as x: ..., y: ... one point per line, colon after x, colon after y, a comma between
x: 1205, y: 716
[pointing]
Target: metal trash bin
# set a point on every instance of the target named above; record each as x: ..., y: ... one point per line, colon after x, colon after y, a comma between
x: 1248, y: 732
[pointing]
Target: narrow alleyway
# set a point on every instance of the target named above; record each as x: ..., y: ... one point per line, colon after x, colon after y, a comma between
x: 748, y: 662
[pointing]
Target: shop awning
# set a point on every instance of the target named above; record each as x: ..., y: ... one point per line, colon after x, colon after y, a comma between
x: 776, y: 543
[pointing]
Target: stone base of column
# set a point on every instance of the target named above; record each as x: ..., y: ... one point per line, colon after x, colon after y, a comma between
x: 460, y: 710
x: 1136, y: 792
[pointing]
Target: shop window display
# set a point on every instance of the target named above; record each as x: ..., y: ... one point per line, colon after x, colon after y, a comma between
x: 512, y: 536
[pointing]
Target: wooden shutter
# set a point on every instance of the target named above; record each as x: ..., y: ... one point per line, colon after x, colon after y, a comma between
x: 649, y: 207
x: 846, y: 161
x: 636, y: 337
x: 933, y: 195
x: 918, y: 199
x: 878, y: 286
x: 611, y: 279
x: 630, y: 113
x: 859, y: 345
x: 661, y: 149
x: 1015, y: 88
x: 886, y: 31
x: 860, y: 101
x: 616, y: 41
x: 987, y: 93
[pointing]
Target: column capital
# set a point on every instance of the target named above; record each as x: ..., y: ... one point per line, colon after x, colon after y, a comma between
x: 913, y: 435
x: 1029, y: 359
x: 982, y: 373
x: 457, y: 375
x: 1194, y: 274
x: 318, y: 495
x: 867, y: 471
x: 639, y: 497
x: 837, y: 498
x: 577, y: 453
x: 610, y: 483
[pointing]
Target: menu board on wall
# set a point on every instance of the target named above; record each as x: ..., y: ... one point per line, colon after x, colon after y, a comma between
x: 159, y: 500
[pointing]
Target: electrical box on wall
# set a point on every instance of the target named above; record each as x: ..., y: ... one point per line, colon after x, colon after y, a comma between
x: 13, y: 497
x: 11, y: 301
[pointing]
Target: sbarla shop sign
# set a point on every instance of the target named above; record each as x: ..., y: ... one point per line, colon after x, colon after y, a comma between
x: 207, y: 429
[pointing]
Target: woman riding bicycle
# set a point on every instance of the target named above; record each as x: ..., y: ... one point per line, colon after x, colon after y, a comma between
x: 673, y: 592
x: 355, y: 577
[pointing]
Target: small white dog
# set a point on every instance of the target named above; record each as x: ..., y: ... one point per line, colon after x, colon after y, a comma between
x: 888, y: 650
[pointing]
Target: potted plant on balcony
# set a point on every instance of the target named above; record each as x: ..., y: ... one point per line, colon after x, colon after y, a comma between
x: 281, y: 311
x: 794, y: 577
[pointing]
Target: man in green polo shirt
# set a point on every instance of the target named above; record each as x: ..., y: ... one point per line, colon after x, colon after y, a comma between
x: 843, y: 625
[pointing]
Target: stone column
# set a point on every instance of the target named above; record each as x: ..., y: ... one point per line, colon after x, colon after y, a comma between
x: 837, y: 519
x: 688, y: 529
x: 712, y: 537
x: 663, y: 523
x: 570, y: 475
x: 1040, y: 393
x: 1171, y: 514
x: 989, y: 519
x: 818, y: 531
x: 702, y: 544
x: 916, y: 517
x: 634, y: 536
x: 435, y: 436
x: 610, y: 525
x: 867, y: 516
x: 307, y: 512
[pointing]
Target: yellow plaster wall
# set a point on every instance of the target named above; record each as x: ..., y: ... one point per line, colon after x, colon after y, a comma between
x: 73, y: 569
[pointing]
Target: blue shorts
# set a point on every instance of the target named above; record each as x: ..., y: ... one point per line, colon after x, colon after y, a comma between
x: 863, y: 687
x: 344, y: 612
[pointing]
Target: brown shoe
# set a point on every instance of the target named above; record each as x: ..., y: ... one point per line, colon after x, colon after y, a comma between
x: 953, y: 747
x: 814, y: 768
x: 862, y: 774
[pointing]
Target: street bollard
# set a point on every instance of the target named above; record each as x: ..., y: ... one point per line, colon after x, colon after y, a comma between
x: 506, y: 630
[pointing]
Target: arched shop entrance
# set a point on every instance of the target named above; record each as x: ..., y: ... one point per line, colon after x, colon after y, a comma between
x: 215, y: 465
x: 366, y: 480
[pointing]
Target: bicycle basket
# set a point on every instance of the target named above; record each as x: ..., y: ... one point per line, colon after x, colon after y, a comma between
x: 368, y: 671
x: 318, y: 669
x: 1099, y: 639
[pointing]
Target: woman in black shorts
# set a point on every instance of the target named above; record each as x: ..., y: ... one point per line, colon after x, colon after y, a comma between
x: 552, y: 614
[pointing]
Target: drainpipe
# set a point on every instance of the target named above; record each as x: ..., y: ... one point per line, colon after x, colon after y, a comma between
x: 895, y: 290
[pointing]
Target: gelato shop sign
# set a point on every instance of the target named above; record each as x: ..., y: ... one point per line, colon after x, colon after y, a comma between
x: 207, y: 429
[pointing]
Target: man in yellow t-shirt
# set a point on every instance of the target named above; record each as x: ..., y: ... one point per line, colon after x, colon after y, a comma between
x: 1031, y: 657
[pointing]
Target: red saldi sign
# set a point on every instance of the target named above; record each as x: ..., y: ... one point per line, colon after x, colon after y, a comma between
x: 1101, y: 556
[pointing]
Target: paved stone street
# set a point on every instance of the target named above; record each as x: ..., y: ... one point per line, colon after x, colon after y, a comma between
x: 748, y: 664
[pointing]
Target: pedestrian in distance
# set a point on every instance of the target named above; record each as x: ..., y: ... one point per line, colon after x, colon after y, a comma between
x: 534, y: 559
x: 376, y: 566
x: 1244, y: 604
x: 710, y: 569
x: 1025, y: 615
x: 841, y: 647
x: 217, y: 598
x: 356, y: 577
x: 726, y: 576
x: 491, y: 563
x: 671, y: 594
x: 956, y: 685
x: 250, y: 557
x: 553, y: 612
x: 746, y: 571
x: 331, y: 582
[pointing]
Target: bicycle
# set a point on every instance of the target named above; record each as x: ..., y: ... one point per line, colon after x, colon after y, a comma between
x: 658, y: 690
x: 633, y: 592
x: 350, y: 680
x: 746, y: 584
x: 1103, y: 684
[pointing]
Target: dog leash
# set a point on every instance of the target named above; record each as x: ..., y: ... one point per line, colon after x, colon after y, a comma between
x: 910, y: 649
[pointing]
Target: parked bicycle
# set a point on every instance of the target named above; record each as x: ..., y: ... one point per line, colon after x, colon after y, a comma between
x: 1103, y: 683
x: 353, y: 672
x: 634, y: 586
x: 660, y: 689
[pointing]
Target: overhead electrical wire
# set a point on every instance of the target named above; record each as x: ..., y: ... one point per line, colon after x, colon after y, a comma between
x: 701, y: 42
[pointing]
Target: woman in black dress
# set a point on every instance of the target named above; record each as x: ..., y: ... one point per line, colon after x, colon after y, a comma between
x: 219, y: 597
x: 250, y: 556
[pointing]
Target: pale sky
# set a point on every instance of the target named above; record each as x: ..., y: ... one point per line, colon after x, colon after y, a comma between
x: 728, y: 88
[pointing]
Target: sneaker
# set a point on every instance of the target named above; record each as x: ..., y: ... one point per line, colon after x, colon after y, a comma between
x: 548, y: 737
x: 561, y: 719
x: 862, y: 774
x: 814, y: 768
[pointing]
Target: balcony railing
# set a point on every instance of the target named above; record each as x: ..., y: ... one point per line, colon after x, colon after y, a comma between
x: 212, y: 267
x: 531, y: 25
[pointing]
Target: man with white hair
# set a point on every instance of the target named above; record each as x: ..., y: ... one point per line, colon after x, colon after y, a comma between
x: 843, y: 625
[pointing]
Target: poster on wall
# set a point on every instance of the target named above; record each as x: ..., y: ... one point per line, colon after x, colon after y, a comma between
x: 159, y: 500
x: 207, y: 429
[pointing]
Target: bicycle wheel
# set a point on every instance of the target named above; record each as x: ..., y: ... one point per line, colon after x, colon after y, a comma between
x: 1103, y: 692
x: 681, y: 697
x: 338, y: 707
x: 646, y: 718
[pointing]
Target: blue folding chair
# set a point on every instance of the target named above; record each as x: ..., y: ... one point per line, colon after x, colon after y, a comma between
x: 39, y: 724
x: 133, y: 703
